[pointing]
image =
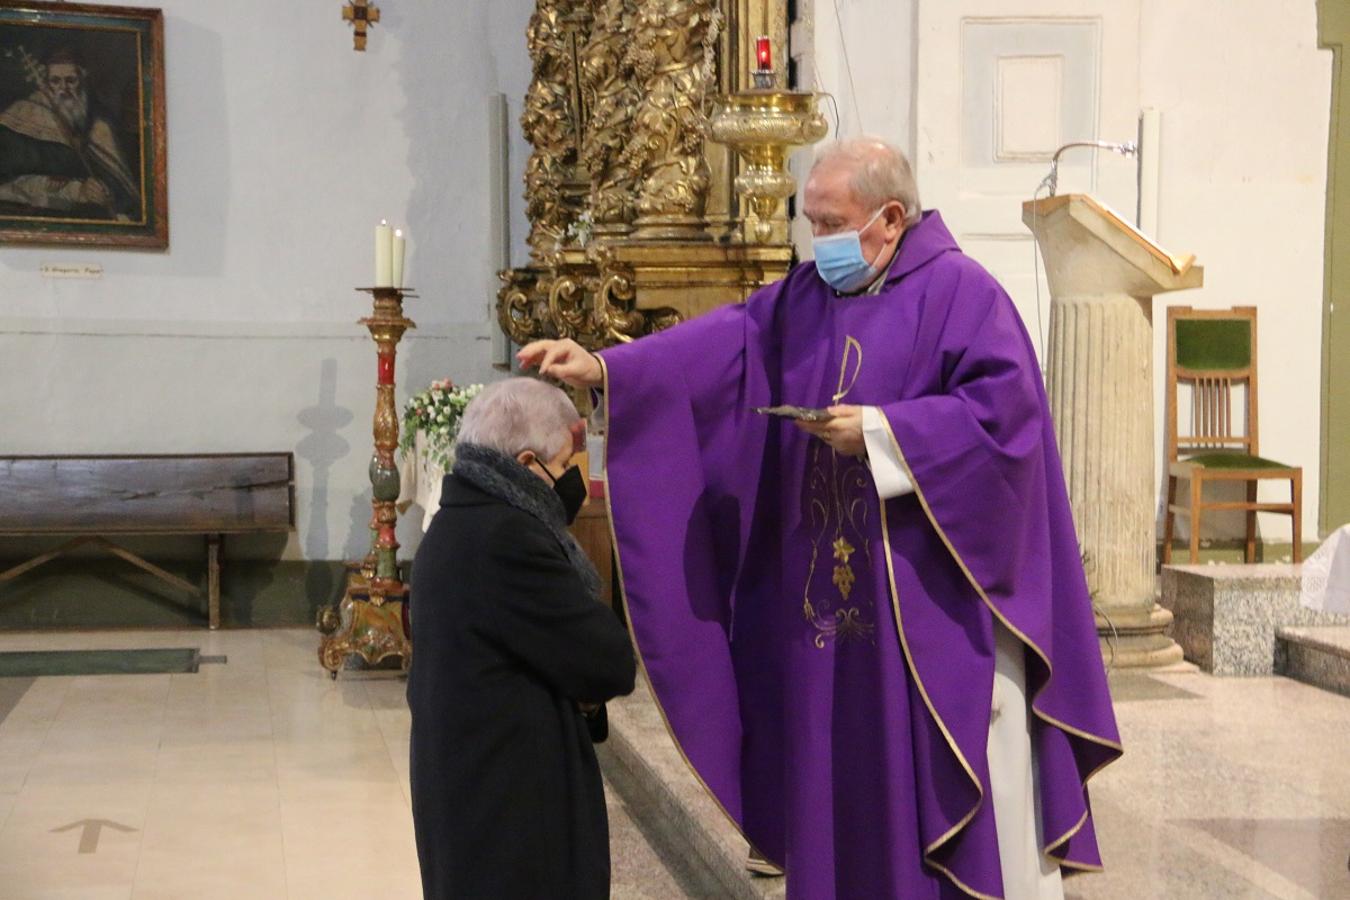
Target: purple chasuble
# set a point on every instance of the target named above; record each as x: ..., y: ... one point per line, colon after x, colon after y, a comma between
x: 823, y: 659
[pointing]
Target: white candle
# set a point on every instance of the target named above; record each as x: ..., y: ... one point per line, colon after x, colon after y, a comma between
x: 383, y: 252
x: 397, y: 267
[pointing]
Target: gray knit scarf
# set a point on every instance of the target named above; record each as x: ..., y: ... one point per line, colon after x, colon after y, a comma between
x: 503, y: 477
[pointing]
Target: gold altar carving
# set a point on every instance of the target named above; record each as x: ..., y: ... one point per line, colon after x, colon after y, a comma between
x: 610, y: 95
x: 550, y: 124
x: 672, y: 55
x: 636, y: 218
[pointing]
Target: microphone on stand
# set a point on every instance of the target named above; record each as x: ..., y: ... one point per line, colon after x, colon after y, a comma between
x: 1124, y: 148
x: 1051, y: 182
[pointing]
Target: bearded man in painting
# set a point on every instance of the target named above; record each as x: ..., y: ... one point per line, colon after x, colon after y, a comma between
x: 58, y: 155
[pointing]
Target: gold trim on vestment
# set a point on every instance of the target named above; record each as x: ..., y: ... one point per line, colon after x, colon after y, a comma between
x: 994, y: 610
x: 1049, y: 848
x: 932, y: 710
x: 632, y: 635
x: 961, y: 884
x: 843, y: 622
x: 1048, y: 852
x: 825, y: 492
x: 840, y: 391
x: 1078, y: 866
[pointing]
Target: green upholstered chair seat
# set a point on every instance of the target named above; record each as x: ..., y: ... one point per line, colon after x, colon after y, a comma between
x: 1233, y: 461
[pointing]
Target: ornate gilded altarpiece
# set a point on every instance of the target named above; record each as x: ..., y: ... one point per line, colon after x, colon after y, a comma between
x: 635, y: 223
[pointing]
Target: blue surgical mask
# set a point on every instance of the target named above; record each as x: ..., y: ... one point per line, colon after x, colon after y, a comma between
x: 840, y: 261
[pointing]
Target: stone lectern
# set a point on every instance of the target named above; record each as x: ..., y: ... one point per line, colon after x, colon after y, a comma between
x: 1103, y: 274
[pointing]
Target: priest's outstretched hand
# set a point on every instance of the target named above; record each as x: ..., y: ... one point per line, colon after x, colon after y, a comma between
x: 568, y: 361
x: 565, y: 360
x: 844, y: 433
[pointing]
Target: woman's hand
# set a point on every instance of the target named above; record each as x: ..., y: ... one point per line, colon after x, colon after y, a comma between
x: 843, y: 433
x: 565, y: 360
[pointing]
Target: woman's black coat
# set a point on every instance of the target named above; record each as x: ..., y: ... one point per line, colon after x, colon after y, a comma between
x: 506, y: 792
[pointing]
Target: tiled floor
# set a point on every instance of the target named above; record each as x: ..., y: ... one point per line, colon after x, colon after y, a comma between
x: 260, y: 778
x: 1229, y: 787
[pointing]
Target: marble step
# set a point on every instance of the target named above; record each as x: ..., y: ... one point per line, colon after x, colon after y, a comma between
x: 639, y: 870
x: 675, y: 814
x: 1316, y: 655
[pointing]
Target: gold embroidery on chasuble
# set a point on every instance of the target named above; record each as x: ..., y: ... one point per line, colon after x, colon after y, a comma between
x: 837, y: 509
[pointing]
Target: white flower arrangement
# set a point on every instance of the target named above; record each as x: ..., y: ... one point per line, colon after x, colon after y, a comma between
x: 581, y: 229
x: 435, y: 413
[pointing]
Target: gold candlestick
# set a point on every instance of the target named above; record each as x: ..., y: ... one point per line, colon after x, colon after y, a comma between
x: 386, y: 326
x: 369, y: 620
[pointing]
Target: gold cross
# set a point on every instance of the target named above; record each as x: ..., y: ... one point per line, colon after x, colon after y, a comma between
x: 362, y: 14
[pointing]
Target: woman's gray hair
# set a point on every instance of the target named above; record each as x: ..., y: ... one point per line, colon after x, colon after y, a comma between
x: 518, y: 414
x: 880, y: 173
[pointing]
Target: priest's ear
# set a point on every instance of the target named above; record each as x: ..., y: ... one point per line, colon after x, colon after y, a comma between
x: 893, y: 215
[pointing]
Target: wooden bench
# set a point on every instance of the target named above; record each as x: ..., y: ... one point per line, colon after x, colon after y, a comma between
x: 92, y: 497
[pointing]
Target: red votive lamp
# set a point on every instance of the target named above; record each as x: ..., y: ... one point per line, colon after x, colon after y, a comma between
x: 763, y: 53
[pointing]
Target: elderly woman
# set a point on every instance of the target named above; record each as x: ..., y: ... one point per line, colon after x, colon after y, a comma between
x: 515, y: 658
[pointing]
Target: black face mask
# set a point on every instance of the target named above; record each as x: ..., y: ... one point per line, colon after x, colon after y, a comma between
x: 571, y: 490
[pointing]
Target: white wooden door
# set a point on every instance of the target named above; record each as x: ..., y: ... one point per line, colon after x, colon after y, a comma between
x: 999, y: 86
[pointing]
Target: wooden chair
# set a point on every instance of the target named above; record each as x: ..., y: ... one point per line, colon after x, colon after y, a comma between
x: 1213, y: 351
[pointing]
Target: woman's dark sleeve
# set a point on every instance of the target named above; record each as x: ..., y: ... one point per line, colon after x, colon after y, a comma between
x: 541, y: 613
x: 597, y: 724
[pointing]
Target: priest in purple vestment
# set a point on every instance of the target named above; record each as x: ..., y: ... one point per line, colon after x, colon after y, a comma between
x: 870, y: 636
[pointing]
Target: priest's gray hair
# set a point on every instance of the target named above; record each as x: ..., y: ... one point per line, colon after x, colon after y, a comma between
x: 519, y: 414
x: 881, y: 173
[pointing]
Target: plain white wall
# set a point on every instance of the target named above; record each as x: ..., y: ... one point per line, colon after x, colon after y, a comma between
x: 1244, y: 94
x: 1245, y: 113
x: 285, y: 147
x: 875, y: 40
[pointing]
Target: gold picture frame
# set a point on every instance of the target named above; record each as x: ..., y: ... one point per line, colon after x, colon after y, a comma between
x: 83, y: 155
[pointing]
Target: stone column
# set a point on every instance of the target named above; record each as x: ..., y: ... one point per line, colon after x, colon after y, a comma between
x: 1102, y: 276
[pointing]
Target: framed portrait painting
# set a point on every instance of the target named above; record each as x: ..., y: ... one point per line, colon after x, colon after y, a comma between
x: 82, y: 146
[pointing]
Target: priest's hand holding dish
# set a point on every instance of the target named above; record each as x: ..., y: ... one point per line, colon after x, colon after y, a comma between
x: 842, y: 431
